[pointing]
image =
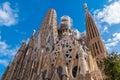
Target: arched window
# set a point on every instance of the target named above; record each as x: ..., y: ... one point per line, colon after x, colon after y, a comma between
x: 74, y: 71
x: 59, y: 71
x: 77, y: 56
x: 44, y: 74
x: 47, y: 49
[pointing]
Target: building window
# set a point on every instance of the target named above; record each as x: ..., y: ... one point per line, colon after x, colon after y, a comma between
x: 77, y: 56
x: 47, y: 49
x: 94, y: 50
x: 67, y: 55
x: 44, y: 74
x: 70, y: 50
x: 74, y: 71
x: 99, y: 46
x: 96, y: 45
x: 59, y: 72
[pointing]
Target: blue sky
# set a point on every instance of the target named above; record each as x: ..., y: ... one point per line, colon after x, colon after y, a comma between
x: 19, y: 17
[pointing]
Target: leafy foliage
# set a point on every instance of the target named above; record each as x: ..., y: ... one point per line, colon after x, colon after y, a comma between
x: 112, y: 66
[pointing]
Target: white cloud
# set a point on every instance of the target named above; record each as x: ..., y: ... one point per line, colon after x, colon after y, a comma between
x: 6, y: 52
x: 5, y: 49
x: 8, y: 16
x: 4, y: 62
x: 116, y: 36
x: 109, y: 14
x: 3, y: 45
x: 114, y: 41
x: 112, y: 44
x: 109, y: 0
x: 105, y: 29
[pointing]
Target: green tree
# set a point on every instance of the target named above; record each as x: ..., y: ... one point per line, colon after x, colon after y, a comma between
x: 112, y: 66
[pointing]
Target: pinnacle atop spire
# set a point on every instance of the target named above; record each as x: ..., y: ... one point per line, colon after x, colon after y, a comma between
x: 33, y: 33
x: 85, y: 6
x: 52, y: 9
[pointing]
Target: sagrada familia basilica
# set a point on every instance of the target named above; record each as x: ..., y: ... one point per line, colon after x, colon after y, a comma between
x: 59, y: 53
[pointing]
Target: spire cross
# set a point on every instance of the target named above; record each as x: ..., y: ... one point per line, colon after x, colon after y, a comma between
x: 85, y: 6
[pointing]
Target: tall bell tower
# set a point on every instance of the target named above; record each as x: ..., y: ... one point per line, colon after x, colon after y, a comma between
x: 48, y: 29
x: 95, y: 42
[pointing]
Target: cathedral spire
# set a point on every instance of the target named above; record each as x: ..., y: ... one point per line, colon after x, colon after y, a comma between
x: 95, y: 42
x: 85, y: 6
x: 49, y: 27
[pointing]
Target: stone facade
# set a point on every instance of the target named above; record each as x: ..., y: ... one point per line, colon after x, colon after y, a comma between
x: 59, y: 53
